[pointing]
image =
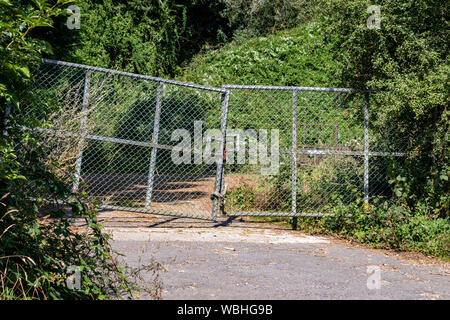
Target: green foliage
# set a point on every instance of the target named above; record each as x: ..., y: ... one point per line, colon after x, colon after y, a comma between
x: 129, y: 36
x: 393, y: 225
x: 334, y: 180
x: 293, y: 57
x: 411, y: 39
x: 407, y: 57
x: 17, y: 54
x: 154, y: 37
x: 38, y: 242
x: 241, y: 198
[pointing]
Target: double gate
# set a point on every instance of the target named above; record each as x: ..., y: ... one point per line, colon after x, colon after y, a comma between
x: 152, y: 145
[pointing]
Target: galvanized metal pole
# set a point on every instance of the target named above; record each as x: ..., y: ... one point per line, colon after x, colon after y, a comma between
x: 220, y: 173
x: 87, y: 80
x: 294, y: 158
x: 151, y: 171
x: 366, y: 147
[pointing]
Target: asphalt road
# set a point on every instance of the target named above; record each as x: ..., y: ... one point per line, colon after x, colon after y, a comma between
x: 248, y: 260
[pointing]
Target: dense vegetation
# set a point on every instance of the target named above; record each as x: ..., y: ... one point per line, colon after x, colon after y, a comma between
x: 407, y: 57
x: 282, y: 42
x: 148, y: 37
x: 156, y: 37
x: 294, y: 57
x: 40, y: 250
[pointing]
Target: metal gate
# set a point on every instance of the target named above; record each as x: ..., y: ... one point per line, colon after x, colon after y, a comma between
x: 136, y: 144
x: 145, y: 144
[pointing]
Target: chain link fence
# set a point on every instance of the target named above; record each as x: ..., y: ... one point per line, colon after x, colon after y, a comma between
x: 145, y: 144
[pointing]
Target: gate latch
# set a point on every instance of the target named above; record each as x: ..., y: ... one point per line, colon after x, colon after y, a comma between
x: 221, y: 196
x: 217, y: 195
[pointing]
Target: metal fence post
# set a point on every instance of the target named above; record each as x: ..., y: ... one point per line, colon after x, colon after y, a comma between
x: 76, y: 183
x: 366, y: 147
x: 151, y: 171
x: 294, y: 158
x: 220, y: 173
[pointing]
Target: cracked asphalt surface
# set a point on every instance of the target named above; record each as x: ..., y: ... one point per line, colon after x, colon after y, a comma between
x: 255, y: 260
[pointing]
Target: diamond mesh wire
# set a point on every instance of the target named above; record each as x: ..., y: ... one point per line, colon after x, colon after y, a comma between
x: 185, y: 186
x: 55, y: 89
x: 122, y: 126
x: 391, y: 131
x: 326, y: 129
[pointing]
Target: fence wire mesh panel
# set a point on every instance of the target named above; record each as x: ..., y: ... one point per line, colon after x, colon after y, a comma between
x: 135, y: 143
x: 323, y: 143
x: 257, y: 178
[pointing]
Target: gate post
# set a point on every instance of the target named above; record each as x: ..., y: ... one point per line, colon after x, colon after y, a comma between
x: 151, y: 171
x: 87, y: 80
x: 294, y: 158
x: 220, y: 173
x: 366, y: 147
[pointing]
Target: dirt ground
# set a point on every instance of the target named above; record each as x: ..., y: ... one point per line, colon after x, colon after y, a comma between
x: 178, y: 194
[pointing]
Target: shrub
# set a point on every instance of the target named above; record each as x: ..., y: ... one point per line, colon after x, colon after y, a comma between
x: 332, y: 180
x: 39, y: 243
x: 387, y: 224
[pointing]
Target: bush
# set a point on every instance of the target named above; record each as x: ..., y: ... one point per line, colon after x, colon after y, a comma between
x: 387, y: 224
x: 320, y: 187
x: 241, y: 198
x: 39, y: 244
x: 408, y: 59
x: 333, y: 180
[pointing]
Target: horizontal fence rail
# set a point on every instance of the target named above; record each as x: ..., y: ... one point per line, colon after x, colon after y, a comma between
x: 317, y: 89
x: 132, y: 75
